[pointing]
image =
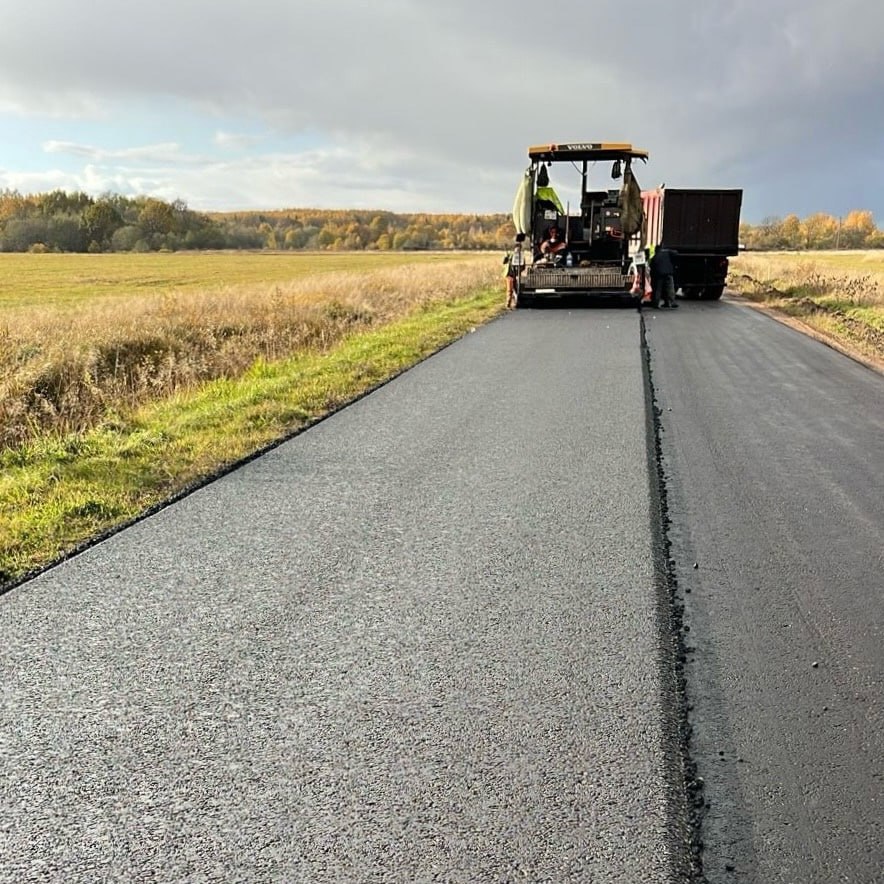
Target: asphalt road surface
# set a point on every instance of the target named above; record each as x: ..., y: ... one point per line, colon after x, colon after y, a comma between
x: 773, y: 450
x: 427, y: 638
x: 420, y: 641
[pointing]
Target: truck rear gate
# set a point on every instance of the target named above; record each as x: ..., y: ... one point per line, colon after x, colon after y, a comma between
x: 702, y: 227
x: 703, y: 221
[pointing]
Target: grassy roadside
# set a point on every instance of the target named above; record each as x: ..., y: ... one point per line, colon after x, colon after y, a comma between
x: 58, y: 491
x: 838, y: 297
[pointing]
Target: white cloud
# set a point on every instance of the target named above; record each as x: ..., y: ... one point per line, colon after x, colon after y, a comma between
x: 35, y: 182
x: 236, y: 141
x: 18, y: 99
x: 361, y: 174
x: 168, y: 152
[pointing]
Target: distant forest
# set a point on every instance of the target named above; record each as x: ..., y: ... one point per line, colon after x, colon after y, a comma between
x: 76, y: 222
x: 855, y: 230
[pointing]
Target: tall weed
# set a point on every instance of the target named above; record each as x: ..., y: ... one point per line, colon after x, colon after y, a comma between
x: 772, y: 276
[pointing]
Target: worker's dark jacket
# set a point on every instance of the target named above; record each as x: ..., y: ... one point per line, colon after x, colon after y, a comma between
x: 663, y: 263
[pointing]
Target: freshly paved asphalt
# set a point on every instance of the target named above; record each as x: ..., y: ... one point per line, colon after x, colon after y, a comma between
x: 420, y: 641
x: 773, y: 446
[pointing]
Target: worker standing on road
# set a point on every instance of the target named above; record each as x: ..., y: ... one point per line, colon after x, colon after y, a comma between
x: 514, y: 264
x: 663, y: 276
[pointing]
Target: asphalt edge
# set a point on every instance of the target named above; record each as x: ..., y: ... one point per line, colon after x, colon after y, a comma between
x: 735, y: 297
x: 685, y: 788
x: 203, y: 481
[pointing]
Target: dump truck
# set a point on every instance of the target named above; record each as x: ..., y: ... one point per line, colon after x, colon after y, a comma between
x: 599, y: 231
x: 703, y: 227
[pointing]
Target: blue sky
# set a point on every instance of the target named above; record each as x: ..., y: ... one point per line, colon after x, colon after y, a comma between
x: 410, y: 105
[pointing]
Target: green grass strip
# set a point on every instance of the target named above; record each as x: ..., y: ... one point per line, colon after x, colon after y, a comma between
x: 58, y: 492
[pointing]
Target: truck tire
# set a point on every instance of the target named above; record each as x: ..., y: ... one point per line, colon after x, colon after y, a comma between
x: 524, y: 302
x: 713, y: 292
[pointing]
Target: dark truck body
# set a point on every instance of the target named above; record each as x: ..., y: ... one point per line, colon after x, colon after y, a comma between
x: 703, y: 227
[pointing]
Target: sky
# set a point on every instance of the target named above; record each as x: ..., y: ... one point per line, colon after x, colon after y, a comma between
x: 423, y: 106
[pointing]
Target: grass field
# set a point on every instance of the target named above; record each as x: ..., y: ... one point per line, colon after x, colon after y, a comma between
x: 28, y: 280
x: 838, y: 294
x: 119, y: 388
x: 850, y: 262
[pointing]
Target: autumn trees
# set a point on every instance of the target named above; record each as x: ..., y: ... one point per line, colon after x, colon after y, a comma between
x: 356, y: 229
x: 75, y: 222
x: 855, y: 230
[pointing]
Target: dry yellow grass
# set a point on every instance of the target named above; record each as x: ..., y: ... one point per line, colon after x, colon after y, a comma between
x: 69, y: 279
x: 64, y: 370
x: 852, y: 278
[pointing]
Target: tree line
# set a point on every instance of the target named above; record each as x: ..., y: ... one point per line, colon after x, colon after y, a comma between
x: 855, y: 230
x: 76, y: 222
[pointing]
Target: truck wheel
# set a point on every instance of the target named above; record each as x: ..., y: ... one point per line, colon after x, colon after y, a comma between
x: 713, y: 292
x: 524, y: 301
